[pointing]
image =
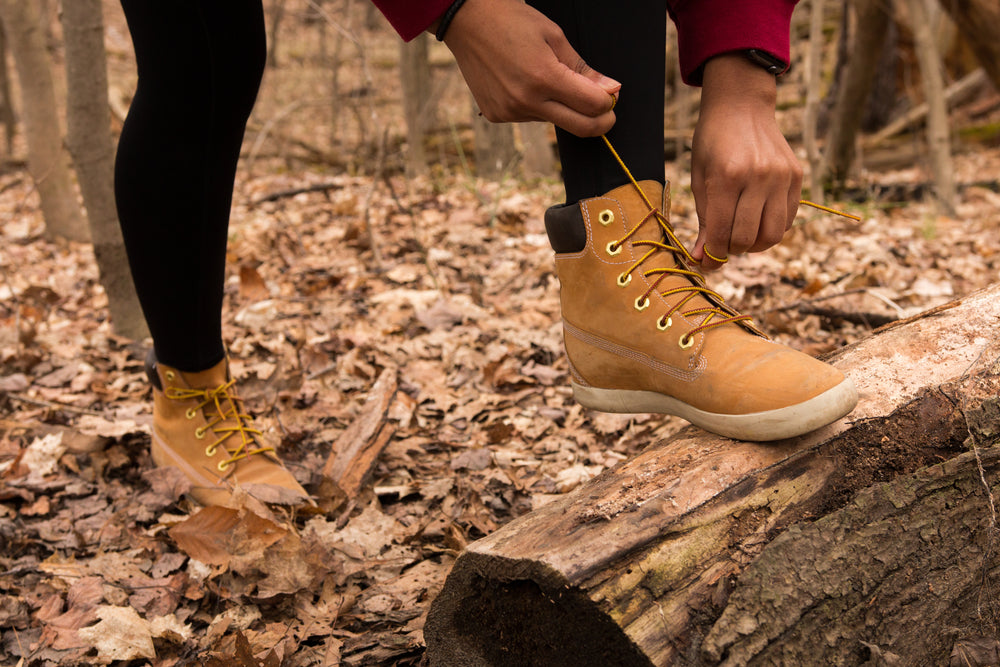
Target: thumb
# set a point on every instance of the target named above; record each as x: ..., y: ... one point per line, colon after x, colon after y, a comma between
x: 568, y: 56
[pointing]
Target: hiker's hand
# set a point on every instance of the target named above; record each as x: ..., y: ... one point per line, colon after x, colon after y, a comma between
x: 519, y: 67
x: 746, y: 180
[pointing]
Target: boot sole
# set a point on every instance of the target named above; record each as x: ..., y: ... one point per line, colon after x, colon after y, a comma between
x: 778, y: 424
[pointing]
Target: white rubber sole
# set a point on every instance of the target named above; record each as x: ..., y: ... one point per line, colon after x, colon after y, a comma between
x: 786, y: 422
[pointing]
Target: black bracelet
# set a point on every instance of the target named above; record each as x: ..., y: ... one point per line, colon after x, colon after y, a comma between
x: 446, y: 19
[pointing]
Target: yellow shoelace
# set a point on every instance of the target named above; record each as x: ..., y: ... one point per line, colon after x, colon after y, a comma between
x: 248, y: 445
x: 716, y: 315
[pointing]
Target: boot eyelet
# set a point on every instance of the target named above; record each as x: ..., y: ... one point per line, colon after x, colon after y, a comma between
x: 222, y: 466
x: 191, y: 413
x: 614, y: 248
x: 210, y: 450
x: 624, y: 279
x: 642, y: 303
x: 664, y: 323
x: 170, y: 375
x: 606, y: 217
x: 199, y: 433
x: 689, y: 343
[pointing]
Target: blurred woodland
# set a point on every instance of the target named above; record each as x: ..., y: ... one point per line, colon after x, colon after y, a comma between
x: 391, y: 301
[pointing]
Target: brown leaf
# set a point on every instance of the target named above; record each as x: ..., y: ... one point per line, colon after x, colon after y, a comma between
x: 217, y: 535
x: 252, y: 285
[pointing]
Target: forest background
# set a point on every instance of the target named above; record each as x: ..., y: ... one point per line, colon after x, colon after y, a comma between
x: 391, y: 305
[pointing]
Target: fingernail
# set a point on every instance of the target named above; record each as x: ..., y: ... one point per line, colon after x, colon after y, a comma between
x: 609, y: 84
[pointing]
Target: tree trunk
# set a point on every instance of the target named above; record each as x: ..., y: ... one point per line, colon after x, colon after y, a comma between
x: 810, y: 116
x: 415, y: 77
x: 536, y: 146
x: 854, y: 87
x: 874, y: 535
x: 979, y: 22
x: 938, y: 134
x: 48, y: 162
x: 88, y: 122
x: 495, y: 152
x: 6, y: 101
x: 277, y: 14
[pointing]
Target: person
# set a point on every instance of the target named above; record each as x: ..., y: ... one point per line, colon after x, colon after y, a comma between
x: 643, y: 332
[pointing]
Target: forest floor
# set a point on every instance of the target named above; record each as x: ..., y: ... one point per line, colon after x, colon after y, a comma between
x: 436, y: 295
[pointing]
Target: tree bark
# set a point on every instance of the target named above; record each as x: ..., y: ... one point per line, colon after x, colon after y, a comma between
x: 495, y: 152
x: 536, y: 146
x: 48, y: 162
x: 978, y: 22
x: 872, y: 24
x: 88, y: 123
x: 810, y: 116
x: 875, y: 534
x: 938, y: 134
x: 6, y: 100
x: 415, y: 77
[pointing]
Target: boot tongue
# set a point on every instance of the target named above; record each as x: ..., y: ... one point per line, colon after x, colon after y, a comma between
x: 650, y: 229
x: 209, y: 378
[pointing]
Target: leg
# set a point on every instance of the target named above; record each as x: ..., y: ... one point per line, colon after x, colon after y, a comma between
x: 625, y: 41
x: 199, y: 65
x: 643, y: 332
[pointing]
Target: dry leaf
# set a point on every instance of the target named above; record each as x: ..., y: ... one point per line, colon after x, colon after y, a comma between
x: 121, y: 634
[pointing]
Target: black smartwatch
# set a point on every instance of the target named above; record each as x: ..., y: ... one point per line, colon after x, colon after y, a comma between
x: 771, y: 63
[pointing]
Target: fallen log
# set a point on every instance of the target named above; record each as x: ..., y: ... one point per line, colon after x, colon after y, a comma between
x: 871, y: 538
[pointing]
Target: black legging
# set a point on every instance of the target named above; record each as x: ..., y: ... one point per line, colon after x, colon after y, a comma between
x: 625, y: 40
x: 200, y: 65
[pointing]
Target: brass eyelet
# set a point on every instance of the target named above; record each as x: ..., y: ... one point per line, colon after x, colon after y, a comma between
x: 624, y: 279
x: 663, y: 326
x: 689, y: 343
x: 191, y: 413
x: 614, y: 248
x: 222, y: 466
x: 606, y: 217
x: 210, y: 450
x: 199, y: 433
x: 641, y: 303
x: 170, y: 375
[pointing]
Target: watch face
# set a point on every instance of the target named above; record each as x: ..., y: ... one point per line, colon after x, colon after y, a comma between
x: 769, y: 62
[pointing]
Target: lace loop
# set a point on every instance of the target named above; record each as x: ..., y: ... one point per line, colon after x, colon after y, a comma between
x: 227, y: 408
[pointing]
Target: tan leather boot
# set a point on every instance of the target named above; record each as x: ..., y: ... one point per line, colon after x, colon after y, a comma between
x: 200, y: 427
x: 644, y: 334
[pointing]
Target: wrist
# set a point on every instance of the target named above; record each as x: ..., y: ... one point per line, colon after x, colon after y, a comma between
x: 735, y: 78
x: 439, y: 28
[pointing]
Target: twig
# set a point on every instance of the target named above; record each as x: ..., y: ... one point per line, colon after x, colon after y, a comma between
x: 871, y: 320
x: 53, y: 404
x: 282, y: 194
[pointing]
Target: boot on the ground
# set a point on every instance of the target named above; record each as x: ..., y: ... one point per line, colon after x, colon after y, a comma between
x: 644, y: 334
x: 201, y: 428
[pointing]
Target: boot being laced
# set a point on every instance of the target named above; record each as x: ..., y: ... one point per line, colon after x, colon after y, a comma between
x: 644, y: 333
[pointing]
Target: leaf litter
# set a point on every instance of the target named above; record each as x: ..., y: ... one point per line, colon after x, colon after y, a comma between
x: 415, y: 381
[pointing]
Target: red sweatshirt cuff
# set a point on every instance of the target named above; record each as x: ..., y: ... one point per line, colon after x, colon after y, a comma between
x: 707, y: 28
x: 411, y: 17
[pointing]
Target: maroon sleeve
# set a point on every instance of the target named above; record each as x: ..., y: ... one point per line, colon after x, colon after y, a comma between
x: 412, y: 17
x: 707, y: 28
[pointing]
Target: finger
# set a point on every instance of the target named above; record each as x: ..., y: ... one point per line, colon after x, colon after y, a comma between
x: 716, y: 207
x: 794, y: 195
x: 746, y: 222
x: 772, y: 224
x: 577, y: 85
x: 577, y: 123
